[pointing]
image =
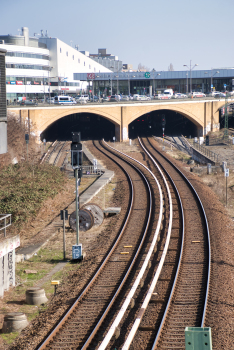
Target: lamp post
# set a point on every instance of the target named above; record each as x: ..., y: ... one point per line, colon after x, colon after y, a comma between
x: 211, y: 82
x: 187, y: 82
x: 190, y: 68
x: 49, y: 71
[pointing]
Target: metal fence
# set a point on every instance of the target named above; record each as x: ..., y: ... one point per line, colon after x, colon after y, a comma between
x: 5, y: 221
x: 206, y: 152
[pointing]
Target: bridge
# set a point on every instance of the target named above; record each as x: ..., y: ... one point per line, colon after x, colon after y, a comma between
x: 203, y: 113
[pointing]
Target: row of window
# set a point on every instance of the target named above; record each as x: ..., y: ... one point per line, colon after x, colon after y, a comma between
x: 73, y: 57
x: 26, y: 66
x: 27, y: 55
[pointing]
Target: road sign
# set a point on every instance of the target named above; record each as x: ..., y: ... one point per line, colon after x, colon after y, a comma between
x: 226, y: 172
x: 77, y: 251
x: 147, y: 74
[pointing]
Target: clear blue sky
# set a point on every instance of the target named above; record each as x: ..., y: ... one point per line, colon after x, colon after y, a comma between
x: 151, y: 32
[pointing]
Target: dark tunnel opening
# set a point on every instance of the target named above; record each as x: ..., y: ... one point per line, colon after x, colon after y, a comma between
x: 151, y: 124
x: 91, y: 126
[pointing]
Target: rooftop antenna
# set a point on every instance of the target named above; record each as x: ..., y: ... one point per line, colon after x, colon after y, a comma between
x: 42, y: 33
x: 46, y: 33
x: 19, y: 31
x: 77, y: 47
x: 71, y: 42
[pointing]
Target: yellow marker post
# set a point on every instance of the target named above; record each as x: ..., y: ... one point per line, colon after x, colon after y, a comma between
x: 55, y: 284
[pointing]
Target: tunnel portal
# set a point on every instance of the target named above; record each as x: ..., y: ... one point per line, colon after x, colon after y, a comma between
x: 91, y: 126
x: 151, y: 124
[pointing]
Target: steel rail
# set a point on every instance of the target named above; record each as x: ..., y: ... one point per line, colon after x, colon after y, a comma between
x: 131, y: 293
x: 209, y: 260
x: 94, y: 332
x: 72, y: 308
x: 146, y: 301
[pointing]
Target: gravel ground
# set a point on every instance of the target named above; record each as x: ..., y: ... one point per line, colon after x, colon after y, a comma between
x: 220, y: 304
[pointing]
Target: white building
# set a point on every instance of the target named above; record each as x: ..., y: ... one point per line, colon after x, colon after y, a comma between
x: 37, y: 67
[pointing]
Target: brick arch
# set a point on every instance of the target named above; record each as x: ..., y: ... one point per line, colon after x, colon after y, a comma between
x: 189, y: 115
x: 59, y: 113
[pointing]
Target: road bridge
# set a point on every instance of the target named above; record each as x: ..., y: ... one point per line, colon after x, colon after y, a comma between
x: 203, y: 113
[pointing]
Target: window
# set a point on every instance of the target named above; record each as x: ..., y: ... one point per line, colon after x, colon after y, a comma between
x: 90, y: 66
x: 67, y: 53
x: 78, y: 60
x: 60, y: 50
x: 84, y: 63
x: 73, y: 57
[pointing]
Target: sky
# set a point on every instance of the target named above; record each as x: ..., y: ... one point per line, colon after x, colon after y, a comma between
x: 152, y: 33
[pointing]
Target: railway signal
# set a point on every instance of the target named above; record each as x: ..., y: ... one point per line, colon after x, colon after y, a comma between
x: 76, y: 162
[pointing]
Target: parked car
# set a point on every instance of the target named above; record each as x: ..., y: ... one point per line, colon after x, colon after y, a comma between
x: 82, y: 97
x: 220, y: 94
x: 50, y: 100
x: 125, y: 98
x: 144, y: 98
x: 28, y: 103
x: 115, y: 98
x: 196, y: 94
x: 179, y: 95
x: 106, y: 98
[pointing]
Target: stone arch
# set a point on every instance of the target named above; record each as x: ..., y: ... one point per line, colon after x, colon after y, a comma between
x: 59, y: 113
x: 197, y: 120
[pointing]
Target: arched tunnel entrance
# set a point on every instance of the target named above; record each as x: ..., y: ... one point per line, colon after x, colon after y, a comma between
x: 150, y: 124
x: 91, y: 126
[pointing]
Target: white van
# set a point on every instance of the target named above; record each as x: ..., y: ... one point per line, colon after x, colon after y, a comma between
x: 64, y: 100
x: 82, y: 97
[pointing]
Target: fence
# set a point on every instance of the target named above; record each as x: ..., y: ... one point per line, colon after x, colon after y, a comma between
x: 5, y: 221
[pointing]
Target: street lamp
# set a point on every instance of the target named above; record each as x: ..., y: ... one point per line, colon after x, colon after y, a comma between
x: 212, y: 75
x: 191, y: 68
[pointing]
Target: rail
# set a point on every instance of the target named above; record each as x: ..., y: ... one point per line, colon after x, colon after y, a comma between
x: 146, y: 301
x: 209, y: 260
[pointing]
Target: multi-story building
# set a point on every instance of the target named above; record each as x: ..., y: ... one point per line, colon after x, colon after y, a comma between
x: 37, y: 67
x: 109, y: 61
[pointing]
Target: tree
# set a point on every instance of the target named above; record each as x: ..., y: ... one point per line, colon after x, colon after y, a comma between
x: 141, y: 67
x: 171, y: 68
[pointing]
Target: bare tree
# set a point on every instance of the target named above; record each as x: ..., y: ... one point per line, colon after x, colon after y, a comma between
x: 171, y: 68
x: 143, y: 68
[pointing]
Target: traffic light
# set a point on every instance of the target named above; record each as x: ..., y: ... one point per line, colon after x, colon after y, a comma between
x: 163, y: 121
x: 109, y: 81
x: 76, y: 150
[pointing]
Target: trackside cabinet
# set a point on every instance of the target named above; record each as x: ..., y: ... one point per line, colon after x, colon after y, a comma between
x: 198, y: 338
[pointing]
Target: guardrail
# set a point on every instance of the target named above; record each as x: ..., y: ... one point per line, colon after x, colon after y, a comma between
x: 209, y: 154
x: 5, y: 221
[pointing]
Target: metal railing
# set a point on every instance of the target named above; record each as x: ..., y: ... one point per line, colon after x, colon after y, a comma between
x: 91, y: 170
x: 5, y: 221
x: 206, y: 152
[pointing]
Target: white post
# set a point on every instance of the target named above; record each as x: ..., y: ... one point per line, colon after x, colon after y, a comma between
x: 1, y: 277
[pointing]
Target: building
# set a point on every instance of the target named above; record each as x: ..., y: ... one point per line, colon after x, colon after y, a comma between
x: 37, y: 67
x: 153, y: 82
x: 107, y: 60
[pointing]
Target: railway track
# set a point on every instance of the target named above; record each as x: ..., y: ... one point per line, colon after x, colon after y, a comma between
x: 57, y: 153
x: 186, y: 304
x: 154, y: 281
x: 79, y: 327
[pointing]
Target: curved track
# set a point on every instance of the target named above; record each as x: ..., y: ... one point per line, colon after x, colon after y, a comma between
x: 86, y: 315
x: 155, y: 279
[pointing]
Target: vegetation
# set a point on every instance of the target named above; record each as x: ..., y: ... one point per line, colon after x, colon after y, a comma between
x: 24, y: 187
